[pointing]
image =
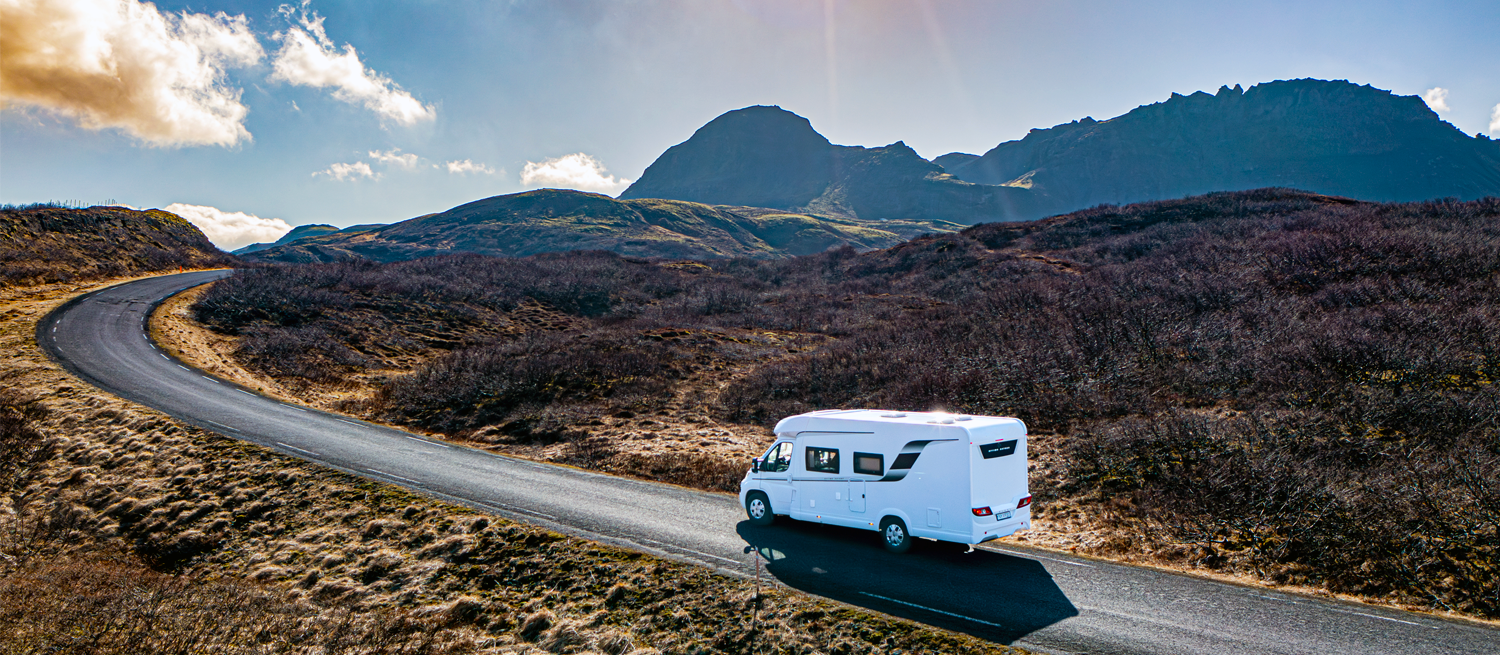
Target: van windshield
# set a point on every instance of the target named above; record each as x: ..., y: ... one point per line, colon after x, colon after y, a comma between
x: 778, y: 459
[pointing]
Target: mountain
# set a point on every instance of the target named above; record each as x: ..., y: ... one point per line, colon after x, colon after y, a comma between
x: 769, y: 157
x: 47, y: 243
x: 1334, y: 138
x: 303, y: 231
x: 552, y: 220
x: 1326, y: 137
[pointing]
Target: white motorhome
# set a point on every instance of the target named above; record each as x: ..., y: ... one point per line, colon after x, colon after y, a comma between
x: 938, y: 476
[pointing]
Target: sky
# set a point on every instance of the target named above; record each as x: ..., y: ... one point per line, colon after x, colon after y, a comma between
x: 251, y: 117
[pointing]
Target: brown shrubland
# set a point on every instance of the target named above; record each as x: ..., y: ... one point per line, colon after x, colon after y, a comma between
x: 1273, y: 384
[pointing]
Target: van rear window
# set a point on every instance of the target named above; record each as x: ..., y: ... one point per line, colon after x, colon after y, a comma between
x: 869, y: 463
x: 823, y: 460
x: 1000, y: 449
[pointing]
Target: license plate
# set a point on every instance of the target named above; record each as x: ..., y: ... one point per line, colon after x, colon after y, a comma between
x: 1001, y: 516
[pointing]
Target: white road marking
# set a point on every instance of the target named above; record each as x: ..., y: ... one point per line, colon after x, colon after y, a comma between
x: 209, y: 379
x: 222, y: 425
x: 695, y: 552
x: 183, y: 367
x: 349, y: 422
x: 430, y: 443
x: 293, y: 407
x: 938, y: 611
x: 1334, y: 609
x: 247, y: 393
x: 391, y: 475
x: 164, y: 356
x: 502, y: 507
x: 1050, y: 559
x: 300, y: 450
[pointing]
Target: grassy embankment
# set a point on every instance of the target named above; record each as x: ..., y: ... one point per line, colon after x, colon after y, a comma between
x: 1279, y: 387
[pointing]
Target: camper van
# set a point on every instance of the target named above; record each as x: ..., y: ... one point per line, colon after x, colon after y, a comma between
x: 907, y: 475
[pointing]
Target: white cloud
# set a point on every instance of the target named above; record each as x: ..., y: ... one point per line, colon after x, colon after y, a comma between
x: 466, y: 166
x: 308, y: 58
x: 1495, y: 121
x: 1436, y: 98
x: 230, y: 230
x: 347, y: 172
x: 123, y: 64
x: 393, y: 157
x: 575, y: 171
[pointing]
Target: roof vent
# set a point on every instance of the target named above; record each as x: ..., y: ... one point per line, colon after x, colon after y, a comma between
x: 894, y: 415
x: 946, y: 421
x: 963, y: 418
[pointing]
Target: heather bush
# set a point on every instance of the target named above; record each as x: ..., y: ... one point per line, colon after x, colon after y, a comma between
x: 1291, y: 384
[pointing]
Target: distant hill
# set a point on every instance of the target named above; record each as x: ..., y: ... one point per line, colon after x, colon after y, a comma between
x: 551, y: 220
x: 1326, y: 137
x: 302, y: 231
x: 770, y: 157
x: 46, y: 243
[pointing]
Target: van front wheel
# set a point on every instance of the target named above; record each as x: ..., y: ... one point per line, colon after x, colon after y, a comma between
x: 894, y: 535
x: 758, y: 508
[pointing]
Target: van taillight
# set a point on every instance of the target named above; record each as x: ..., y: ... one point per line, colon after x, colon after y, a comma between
x: 1024, y: 502
x: 982, y: 511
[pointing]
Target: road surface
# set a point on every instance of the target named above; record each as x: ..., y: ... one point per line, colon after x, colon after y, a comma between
x: 1034, y: 599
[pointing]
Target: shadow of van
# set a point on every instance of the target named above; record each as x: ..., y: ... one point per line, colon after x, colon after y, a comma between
x: 988, y: 595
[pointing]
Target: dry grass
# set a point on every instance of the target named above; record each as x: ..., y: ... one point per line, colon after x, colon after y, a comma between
x: 138, y: 533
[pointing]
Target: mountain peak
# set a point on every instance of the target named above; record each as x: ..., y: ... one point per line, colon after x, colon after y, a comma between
x: 761, y: 156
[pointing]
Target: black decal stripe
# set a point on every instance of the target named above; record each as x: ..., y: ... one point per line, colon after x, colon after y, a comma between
x: 904, y: 461
x: 907, y: 458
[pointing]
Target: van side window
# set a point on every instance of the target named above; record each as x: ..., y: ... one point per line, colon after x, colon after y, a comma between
x: 869, y: 463
x: 823, y: 460
x: 778, y: 459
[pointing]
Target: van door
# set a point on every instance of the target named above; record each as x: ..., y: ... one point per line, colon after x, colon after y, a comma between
x: 856, y: 495
x: 775, y: 477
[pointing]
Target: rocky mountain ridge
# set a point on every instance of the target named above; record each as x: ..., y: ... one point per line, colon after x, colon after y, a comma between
x: 1330, y: 137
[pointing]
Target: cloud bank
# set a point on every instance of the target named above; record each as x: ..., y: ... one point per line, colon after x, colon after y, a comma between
x: 575, y: 171
x: 230, y: 230
x: 123, y: 64
x: 1495, y: 121
x: 393, y: 157
x: 309, y: 58
x: 466, y: 166
x: 349, y: 172
x: 1436, y: 98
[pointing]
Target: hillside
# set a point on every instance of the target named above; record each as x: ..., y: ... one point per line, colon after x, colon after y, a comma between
x: 1326, y: 137
x: 44, y: 243
x: 551, y: 220
x: 1287, y: 386
x: 305, y: 231
x: 770, y: 157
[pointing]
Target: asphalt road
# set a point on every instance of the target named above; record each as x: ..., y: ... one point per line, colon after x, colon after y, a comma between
x: 1034, y: 599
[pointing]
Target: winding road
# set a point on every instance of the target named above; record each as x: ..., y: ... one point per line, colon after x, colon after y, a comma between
x: 1039, y: 600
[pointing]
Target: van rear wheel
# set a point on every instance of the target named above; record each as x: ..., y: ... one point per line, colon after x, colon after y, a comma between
x: 758, y: 508
x: 894, y: 536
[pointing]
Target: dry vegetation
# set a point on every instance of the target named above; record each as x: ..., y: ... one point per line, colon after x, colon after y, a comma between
x: 122, y: 531
x: 1270, y: 384
x: 46, y: 243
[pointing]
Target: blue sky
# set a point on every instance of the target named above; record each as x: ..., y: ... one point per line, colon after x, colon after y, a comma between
x: 445, y: 102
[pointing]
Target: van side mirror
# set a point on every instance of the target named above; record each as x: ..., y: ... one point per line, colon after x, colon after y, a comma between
x: 755, y: 465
